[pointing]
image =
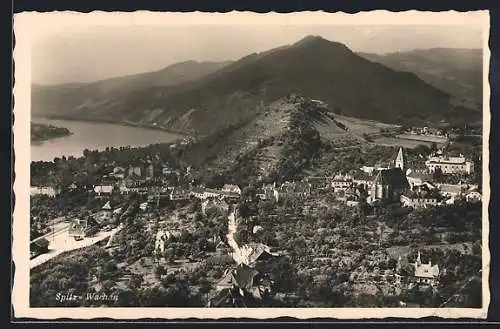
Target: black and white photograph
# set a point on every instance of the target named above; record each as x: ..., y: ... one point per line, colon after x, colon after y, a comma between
x: 305, y: 164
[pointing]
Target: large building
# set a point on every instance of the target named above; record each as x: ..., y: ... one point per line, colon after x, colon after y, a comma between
x: 427, y: 274
x: 44, y: 190
x: 389, y: 185
x: 450, y: 165
x: 342, y: 182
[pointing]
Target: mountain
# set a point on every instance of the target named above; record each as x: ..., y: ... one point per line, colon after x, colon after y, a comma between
x: 313, y: 67
x: 56, y: 99
x: 458, y: 72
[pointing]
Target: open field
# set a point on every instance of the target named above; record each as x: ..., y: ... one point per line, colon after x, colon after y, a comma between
x: 463, y: 248
x: 329, y: 130
x: 360, y: 126
x: 393, y: 141
x: 424, y: 138
x: 406, y: 143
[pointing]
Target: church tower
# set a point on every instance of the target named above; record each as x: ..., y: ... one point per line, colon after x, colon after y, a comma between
x: 400, y: 160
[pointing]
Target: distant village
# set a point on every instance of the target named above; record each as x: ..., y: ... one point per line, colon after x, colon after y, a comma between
x: 394, y: 183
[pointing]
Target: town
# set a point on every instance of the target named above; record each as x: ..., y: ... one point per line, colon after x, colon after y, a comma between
x: 402, y: 231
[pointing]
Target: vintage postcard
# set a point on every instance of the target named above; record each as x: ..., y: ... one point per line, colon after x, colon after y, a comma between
x: 309, y: 165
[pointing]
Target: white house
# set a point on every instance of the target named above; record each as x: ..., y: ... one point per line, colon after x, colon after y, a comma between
x: 450, y: 165
x: 451, y: 190
x: 106, y: 213
x: 118, y: 172
x: 473, y: 196
x: 205, y: 193
x: 367, y: 170
x: 342, y: 182
x: 44, y: 190
x: 268, y: 192
x: 103, y: 189
x: 426, y: 273
x: 180, y: 194
x: 417, y: 200
x: 231, y: 188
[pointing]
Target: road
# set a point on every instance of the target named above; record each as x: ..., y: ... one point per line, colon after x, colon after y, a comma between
x: 58, y: 228
x: 62, y: 242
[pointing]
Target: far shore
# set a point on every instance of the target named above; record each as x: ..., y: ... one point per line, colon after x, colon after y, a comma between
x: 42, y: 140
x: 109, y: 121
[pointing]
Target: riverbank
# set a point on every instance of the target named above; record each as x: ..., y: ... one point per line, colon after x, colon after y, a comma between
x: 96, y: 136
x: 109, y: 121
x: 42, y: 132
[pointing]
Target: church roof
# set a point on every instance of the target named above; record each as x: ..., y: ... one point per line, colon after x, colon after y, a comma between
x: 393, y: 177
x: 400, y: 155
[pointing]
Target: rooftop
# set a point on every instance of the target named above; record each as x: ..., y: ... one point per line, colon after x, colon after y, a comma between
x: 393, y: 177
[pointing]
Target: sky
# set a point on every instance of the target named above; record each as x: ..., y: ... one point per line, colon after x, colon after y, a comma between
x: 83, y: 49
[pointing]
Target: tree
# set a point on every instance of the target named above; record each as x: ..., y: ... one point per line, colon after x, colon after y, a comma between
x: 159, y: 271
x: 135, y: 281
x: 244, y: 210
x: 127, y: 298
x: 438, y: 175
x: 434, y: 147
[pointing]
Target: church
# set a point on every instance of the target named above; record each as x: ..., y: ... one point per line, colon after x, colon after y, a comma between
x: 390, y: 184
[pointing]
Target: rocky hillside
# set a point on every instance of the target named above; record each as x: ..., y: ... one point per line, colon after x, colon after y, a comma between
x: 276, y: 144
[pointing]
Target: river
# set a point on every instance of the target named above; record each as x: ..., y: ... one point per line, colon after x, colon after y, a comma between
x: 94, y: 136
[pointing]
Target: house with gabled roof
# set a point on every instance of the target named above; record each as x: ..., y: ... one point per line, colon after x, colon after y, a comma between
x: 105, y: 214
x: 342, y: 182
x: 417, y: 178
x: 104, y: 189
x: 426, y: 273
x: 268, y: 192
x: 178, y: 194
x: 241, y: 277
x: 420, y: 198
x: 240, y: 285
x: 45, y: 190
x: 251, y: 253
x: 231, y: 188
x: 473, y: 196
x: 452, y: 190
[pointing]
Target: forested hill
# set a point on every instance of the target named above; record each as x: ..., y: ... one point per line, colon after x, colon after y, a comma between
x: 458, y: 72
x: 234, y: 93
